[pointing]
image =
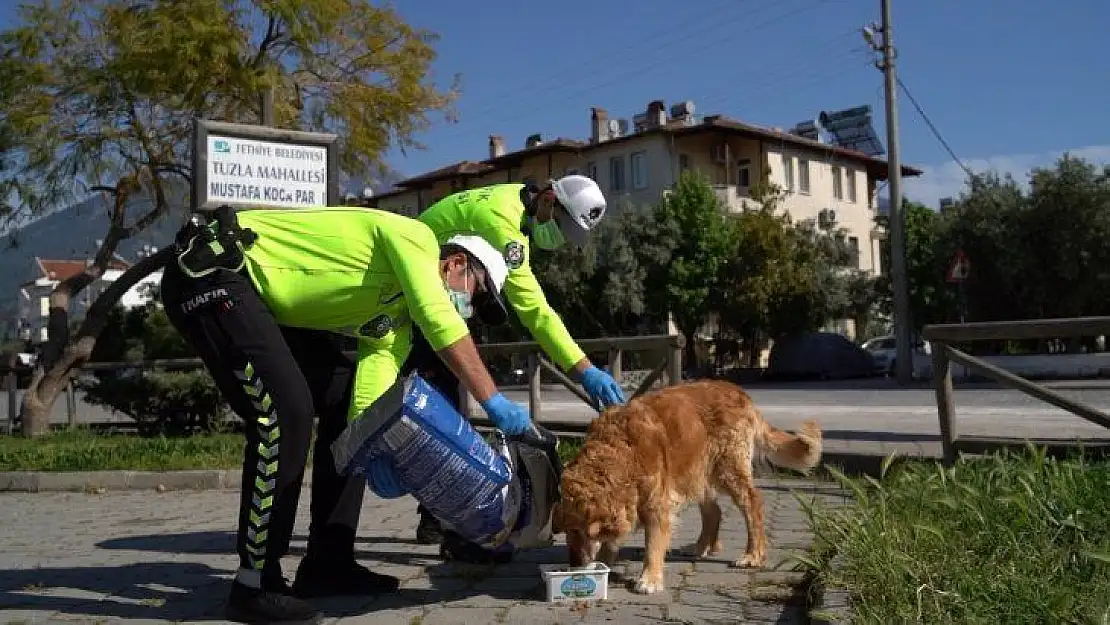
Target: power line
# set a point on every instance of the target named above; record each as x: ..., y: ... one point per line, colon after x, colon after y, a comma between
x: 933, y: 128
x: 786, y: 66
x: 646, y: 68
x: 651, y: 40
x: 802, y: 77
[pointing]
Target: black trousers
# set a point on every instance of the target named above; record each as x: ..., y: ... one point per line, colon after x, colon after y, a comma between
x: 276, y: 379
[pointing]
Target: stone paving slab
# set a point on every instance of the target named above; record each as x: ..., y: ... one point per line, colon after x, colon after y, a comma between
x: 137, y: 557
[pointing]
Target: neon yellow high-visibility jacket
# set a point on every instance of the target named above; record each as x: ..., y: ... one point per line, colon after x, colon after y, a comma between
x: 496, y: 213
x: 356, y: 271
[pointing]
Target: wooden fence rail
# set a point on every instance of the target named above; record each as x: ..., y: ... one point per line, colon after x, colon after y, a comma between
x: 941, y: 336
x: 667, y: 347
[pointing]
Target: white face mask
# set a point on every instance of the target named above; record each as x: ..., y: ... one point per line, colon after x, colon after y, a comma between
x: 462, y: 299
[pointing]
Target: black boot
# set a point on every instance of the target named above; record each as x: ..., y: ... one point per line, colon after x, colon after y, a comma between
x: 428, y: 531
x: 455, y: 547
x: 331, y: 577
x: 273, y: 603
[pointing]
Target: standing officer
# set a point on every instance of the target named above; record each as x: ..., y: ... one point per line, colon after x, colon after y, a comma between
x: 507, y: 216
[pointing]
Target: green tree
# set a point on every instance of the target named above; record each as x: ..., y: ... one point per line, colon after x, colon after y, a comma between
x: 101, y: 96
x: 752, y: 277
x: 929, y: 252
x: 605, y: 288
x: 1035, y: 254
x: 863, y: 305
x: 693, y: 274
x: 1066, y: 223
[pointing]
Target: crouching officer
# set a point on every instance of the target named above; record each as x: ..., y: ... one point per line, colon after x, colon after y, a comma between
x: 263, y: 297
x: 508, y: 216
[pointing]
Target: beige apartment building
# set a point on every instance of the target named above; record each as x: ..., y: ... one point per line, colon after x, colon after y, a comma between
x: 635, y: 163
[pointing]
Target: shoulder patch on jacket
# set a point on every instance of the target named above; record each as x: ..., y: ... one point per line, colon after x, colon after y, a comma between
x: 514, y: 254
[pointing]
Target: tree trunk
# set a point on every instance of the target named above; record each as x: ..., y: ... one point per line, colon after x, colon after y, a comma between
x: 52, y: 376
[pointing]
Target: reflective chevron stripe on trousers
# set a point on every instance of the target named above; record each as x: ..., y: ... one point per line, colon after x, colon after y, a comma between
x: 265, y: 477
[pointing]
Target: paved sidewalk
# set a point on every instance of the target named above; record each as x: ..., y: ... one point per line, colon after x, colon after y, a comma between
x: 158, y: 557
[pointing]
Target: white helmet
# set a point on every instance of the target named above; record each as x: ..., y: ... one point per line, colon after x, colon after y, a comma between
x: 492, y: 308
x: 583, y: 204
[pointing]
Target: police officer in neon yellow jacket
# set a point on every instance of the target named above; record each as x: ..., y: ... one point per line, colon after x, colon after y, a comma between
x: 507, y: 216
x: 262, y: 298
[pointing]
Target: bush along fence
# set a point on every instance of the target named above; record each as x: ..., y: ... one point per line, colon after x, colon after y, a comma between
x: 176, y: 396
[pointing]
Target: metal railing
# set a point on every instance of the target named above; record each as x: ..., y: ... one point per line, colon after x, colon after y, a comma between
x: 943, y: 354
x: 666, y: 347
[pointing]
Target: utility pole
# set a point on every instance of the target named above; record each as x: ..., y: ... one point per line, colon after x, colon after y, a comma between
x: 902, y: 334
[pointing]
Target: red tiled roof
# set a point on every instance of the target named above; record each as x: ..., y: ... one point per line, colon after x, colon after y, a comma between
x: 462, y: 168
x: 64, y: 269
x: 555, y: 145
x: 711, y: 123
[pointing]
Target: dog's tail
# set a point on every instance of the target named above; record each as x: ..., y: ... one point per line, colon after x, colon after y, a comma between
x: 801, y: 451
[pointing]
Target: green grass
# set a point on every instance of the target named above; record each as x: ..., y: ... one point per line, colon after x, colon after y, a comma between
x: 1009, y: 538
x: 83, y: 450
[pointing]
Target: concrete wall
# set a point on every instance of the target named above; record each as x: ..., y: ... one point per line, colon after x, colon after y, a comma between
x: 1038, y: 366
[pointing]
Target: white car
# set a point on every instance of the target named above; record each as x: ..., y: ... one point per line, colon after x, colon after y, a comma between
x: 883, y: 350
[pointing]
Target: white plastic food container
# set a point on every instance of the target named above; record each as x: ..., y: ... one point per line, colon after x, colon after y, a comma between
x: 588, y: 583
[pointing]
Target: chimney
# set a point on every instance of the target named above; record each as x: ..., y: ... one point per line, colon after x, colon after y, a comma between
x: 656, y: 113
x: 599, y: 124
x: 496, y: 146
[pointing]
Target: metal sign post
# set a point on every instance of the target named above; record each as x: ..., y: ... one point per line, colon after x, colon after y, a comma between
x: 958, y: 273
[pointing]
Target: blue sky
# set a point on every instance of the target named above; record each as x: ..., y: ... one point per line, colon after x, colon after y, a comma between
x: 1008, y: 89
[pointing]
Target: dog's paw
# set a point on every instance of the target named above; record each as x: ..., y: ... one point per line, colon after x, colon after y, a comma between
x: 749, y: 561
x: 701, y: 550
x: 645, y: 586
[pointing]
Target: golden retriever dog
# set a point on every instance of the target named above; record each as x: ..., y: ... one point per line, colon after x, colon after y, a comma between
x: 643, y: 461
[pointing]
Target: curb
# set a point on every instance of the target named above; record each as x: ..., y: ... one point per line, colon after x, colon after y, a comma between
x: 216, y: 479
x: 100, y: 481
x: 860, y: 464
x: 828, y: 606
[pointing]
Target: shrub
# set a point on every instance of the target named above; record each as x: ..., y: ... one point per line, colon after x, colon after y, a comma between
x: 160, y: 402
x: 163, y: 402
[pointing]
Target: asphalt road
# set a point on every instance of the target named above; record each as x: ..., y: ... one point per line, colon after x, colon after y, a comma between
x: 864, y: 408
x: 881, y: 407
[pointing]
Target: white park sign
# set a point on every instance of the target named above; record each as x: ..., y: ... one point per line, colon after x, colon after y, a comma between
x: 257, y: 166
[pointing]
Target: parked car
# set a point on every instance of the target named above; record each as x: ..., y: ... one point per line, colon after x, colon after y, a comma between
x: 884, y: 349
x: 818, y: 355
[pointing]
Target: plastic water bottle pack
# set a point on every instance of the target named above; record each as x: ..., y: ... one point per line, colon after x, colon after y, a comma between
x: 442, y: 461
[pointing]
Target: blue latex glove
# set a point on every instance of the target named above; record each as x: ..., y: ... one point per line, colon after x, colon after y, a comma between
x: 381, y: 475
x: 509, y: 417
x: 602, y: 387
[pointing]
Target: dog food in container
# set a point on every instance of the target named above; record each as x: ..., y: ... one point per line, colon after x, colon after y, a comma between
x: 588, y: 583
